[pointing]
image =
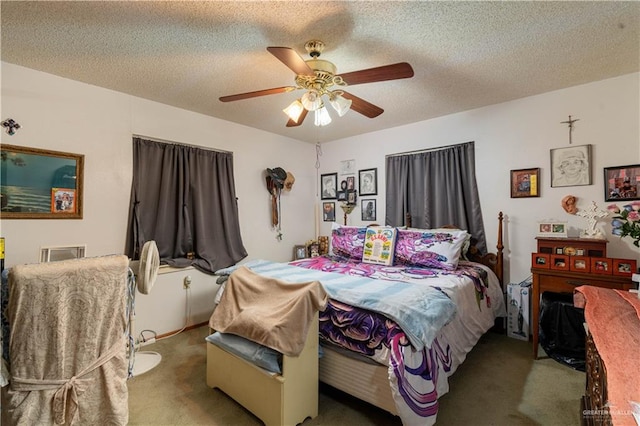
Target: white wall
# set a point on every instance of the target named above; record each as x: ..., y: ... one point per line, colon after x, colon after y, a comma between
x: 519, y: 135
x: 65, y: 115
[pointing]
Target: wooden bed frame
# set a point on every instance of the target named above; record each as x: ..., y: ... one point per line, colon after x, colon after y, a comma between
x: 370, y: 382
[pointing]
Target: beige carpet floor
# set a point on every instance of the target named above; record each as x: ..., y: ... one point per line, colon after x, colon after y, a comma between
x: 499, y: 384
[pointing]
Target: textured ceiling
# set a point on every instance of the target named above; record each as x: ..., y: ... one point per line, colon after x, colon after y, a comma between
x: 189, y: 53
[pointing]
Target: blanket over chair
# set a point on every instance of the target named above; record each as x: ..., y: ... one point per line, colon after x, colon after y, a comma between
x: 67, y: 343
x: 268, y: 311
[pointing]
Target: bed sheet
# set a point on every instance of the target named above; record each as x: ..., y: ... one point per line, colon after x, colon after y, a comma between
x: 418, y: 376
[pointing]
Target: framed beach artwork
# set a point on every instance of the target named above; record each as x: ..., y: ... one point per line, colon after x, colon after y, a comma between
x: 40, y: 184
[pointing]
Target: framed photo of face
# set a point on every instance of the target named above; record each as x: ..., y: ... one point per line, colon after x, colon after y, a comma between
x: 329, y: 186
x: 368, y: 181
x: 368, y: 208
x: 329, y: 212
x: 571, y: 166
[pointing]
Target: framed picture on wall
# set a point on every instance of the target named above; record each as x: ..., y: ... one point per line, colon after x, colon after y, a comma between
x: 329, y: 211
x: 329, y: 186
x: 524, y: 183
x: 571, y: 166
x: 622, y: 183
x: 348, y: 167
x: 368, y: 208
x: 41, y: 184
x: 368, y: 181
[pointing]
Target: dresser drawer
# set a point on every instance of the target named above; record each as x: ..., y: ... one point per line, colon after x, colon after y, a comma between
x: 566, y: 284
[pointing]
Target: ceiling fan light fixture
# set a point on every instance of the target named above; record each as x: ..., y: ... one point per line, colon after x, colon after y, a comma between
x: 294, y: 110
x: 340, y: 104
x: 311, y: 100
x: 322, y: 117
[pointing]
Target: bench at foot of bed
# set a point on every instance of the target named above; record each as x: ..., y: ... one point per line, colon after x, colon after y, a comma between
x: 276, y: 399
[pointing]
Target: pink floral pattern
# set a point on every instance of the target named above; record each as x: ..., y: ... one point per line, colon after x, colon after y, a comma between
x: 348, y: 241
x: 432, y: 249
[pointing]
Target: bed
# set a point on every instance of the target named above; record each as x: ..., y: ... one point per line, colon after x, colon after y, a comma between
x: 392, y: 334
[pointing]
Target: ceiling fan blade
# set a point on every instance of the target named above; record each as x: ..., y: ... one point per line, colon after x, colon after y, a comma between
x: 363, y: 107
x: 292, y: 123
x: 291, y: 59
x: 257, y: 93
x: 383, y: 73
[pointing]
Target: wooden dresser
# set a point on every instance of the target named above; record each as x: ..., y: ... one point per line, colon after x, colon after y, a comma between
x: 557, y: 266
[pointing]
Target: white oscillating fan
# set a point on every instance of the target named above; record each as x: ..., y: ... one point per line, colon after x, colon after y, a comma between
x: 146, y: 272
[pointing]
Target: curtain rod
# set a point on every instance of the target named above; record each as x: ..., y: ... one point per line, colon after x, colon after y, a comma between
x: 181, y: 143
x: 418, y: 151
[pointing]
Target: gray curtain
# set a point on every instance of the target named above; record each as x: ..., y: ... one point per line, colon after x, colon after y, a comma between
x: 183, y: 197
x: 436, y: 188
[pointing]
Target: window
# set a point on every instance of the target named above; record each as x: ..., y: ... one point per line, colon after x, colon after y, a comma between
x: 183, y: 197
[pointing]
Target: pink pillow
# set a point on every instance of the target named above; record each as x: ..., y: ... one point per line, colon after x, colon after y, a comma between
x: 433, y: 248
x: 348, y: 241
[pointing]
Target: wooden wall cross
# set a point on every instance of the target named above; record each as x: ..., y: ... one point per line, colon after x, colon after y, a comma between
x: 570, y: 124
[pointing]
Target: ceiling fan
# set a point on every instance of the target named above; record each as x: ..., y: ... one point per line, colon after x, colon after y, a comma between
x: 319, y: 78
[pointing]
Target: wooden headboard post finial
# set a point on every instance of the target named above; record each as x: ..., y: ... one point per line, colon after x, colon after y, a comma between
x: 499, y: 255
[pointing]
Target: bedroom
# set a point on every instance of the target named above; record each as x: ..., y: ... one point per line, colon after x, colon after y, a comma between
x: 71, y: 116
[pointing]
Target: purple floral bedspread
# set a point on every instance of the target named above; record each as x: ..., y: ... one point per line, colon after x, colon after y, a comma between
x: 414, y: 375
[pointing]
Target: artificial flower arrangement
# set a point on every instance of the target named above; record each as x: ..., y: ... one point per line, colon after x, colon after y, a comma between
x: 627, y: 221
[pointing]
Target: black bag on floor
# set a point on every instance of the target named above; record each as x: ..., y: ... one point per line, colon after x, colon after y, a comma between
x: 561, y: 330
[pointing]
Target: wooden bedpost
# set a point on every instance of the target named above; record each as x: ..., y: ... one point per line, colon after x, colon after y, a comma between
x: 407, y: 220
x: 499, y: 255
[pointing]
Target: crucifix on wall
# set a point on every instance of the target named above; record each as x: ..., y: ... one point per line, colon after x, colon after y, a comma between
x: 570, y: 124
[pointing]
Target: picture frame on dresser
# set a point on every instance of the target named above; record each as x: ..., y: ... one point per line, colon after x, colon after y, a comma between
x: 624, y: 267
x: 299, y: 252
x: 579, y: 264
x: 601, y: 265
x: 559, y: 262
x: 555, y: 229
x: 540, y: 260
